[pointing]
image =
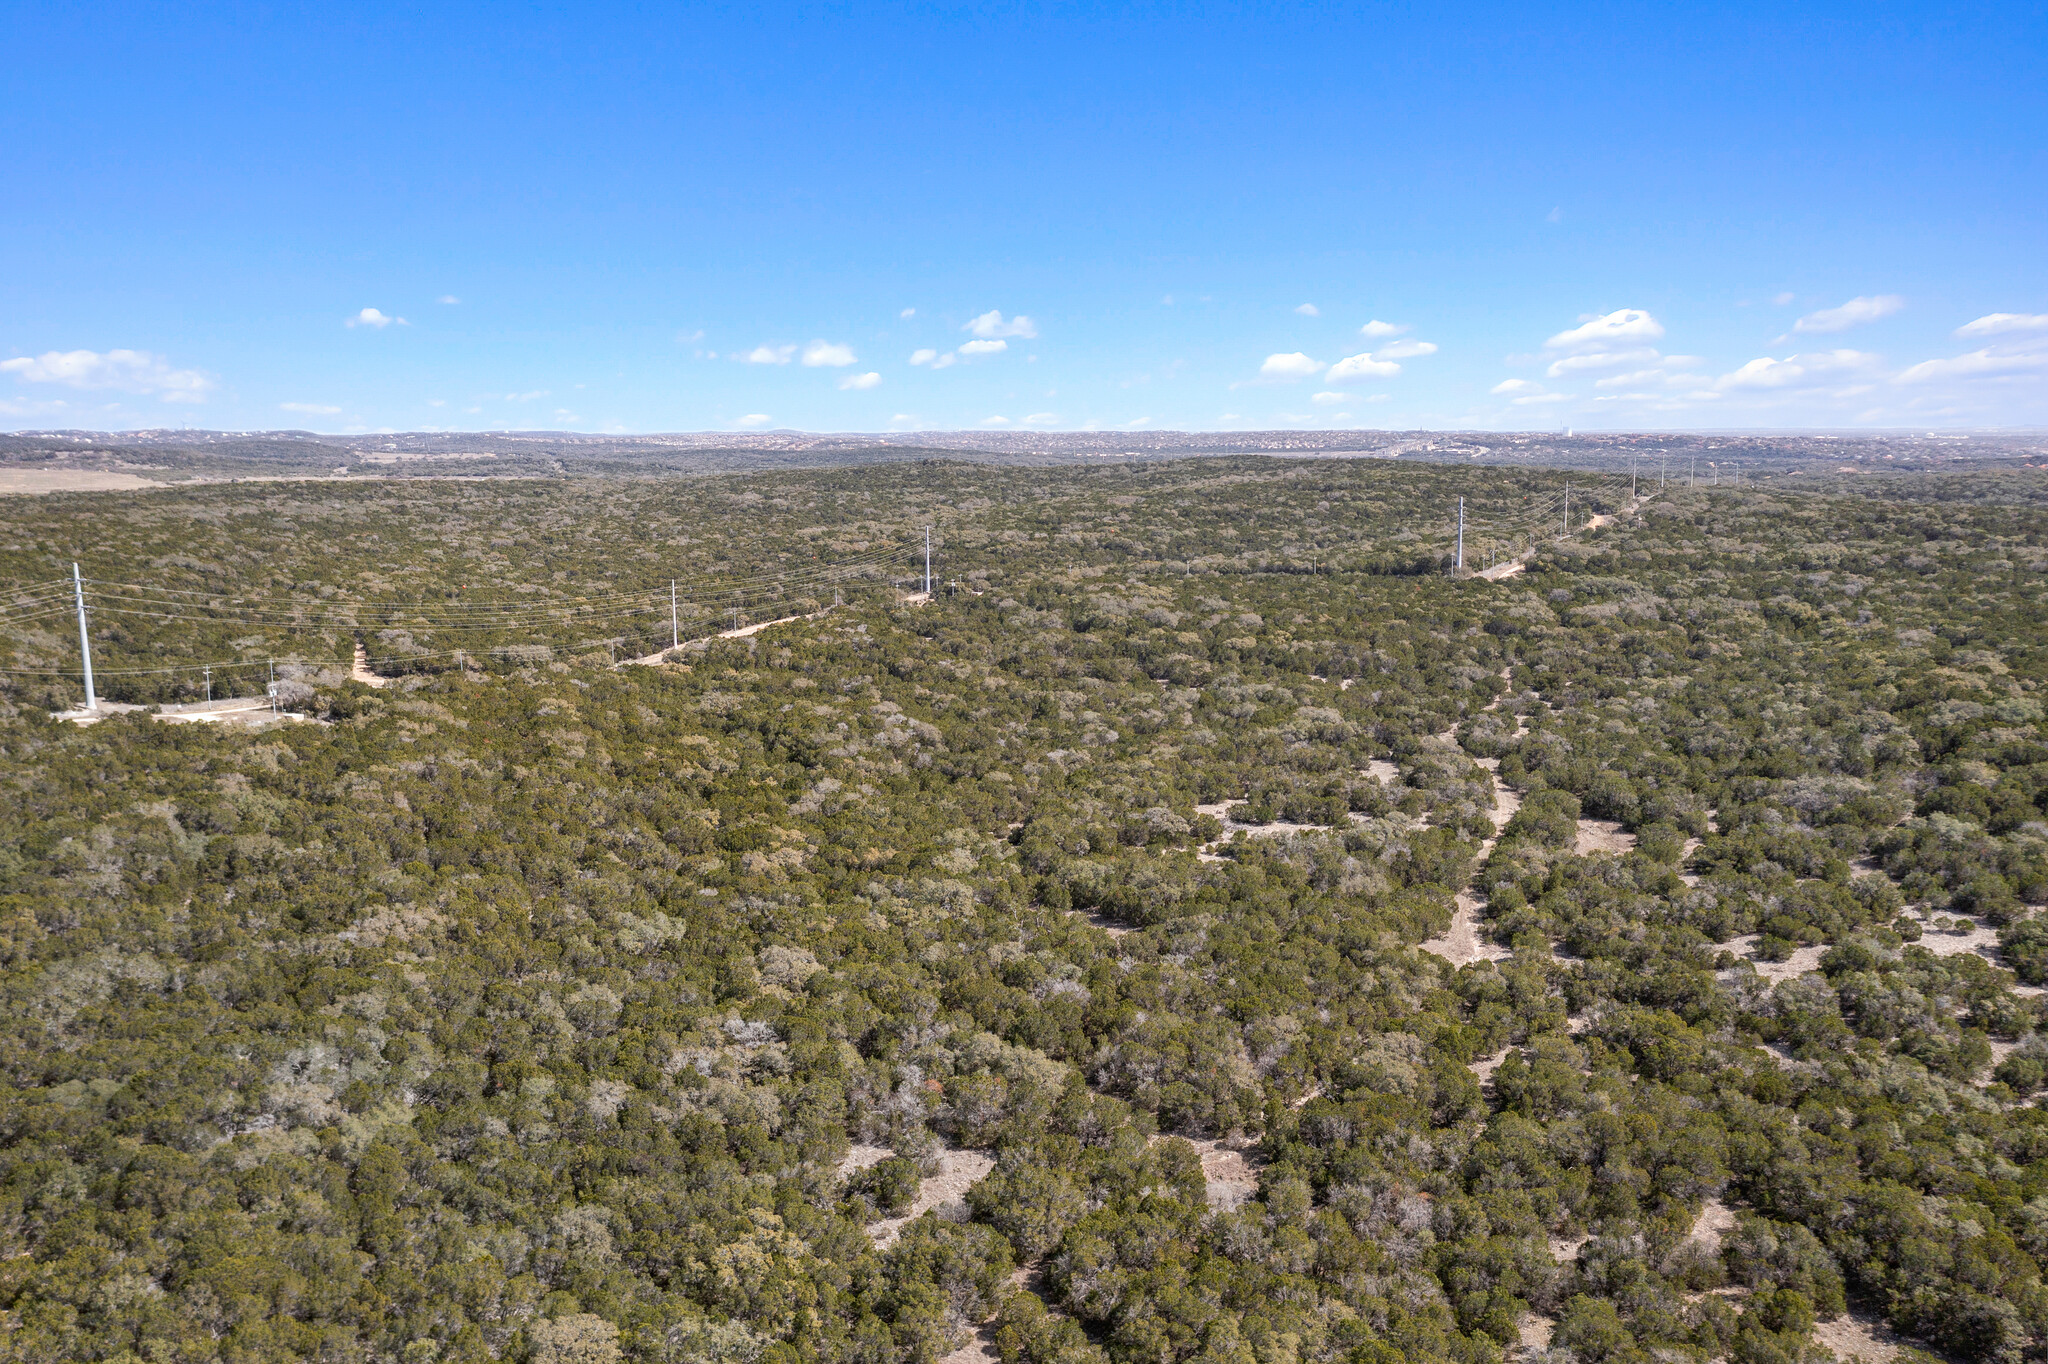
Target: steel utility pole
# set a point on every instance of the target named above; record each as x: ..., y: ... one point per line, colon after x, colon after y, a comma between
x: 675, y: 633
x: 1692, y: 469
x: 1631, y: 478
x: 92, y: 702
x: 1461, y: 535
x: 1566, y: 529
x: 927, y: 561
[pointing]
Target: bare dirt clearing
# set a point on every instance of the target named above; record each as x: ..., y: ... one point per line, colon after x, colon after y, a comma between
x: 31, y: 482
x: 944, y: 1193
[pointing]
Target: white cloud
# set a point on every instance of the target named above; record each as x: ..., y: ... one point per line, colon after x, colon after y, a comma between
x: 1289, y: 365
x: 907, y: 314
x: 1403, y: 350
x: 1359, y: 367
x: 1309, y: 310
x: 1600, y: 359
x: 1638, y: 378
x: 923, y: 355
x: 1978, y: 364
x: 991, y: 325
x: 1782, y: 299
x: 753, y: 419
x: 371, y: 317
x: 769, y: 355
x: 1602, y: 333
x: 1997, y: 324
x: 1507, y: 386
x: 1797, y: 371
x: 1042, y: 419
x: 447, y: 298
x: 1851, y: 314
x: 984, y: 347
x: 526, y: 397
x: 313, y: 409
x: 828, y: 353
x: 124, y: 371
x: 1531, y: 398
x: 860, y: 381
x: 1327, y: 398
x: 1379, y: 328
x: 995, y: 421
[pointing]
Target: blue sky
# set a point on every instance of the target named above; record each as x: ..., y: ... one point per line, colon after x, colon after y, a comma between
x: 874, y: 217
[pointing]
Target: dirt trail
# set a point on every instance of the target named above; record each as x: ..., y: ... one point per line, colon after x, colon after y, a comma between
x: 741, y: 632
x: 1461, y: 944
x: 359, y: 670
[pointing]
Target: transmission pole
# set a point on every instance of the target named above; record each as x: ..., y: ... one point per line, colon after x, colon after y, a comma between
x: 927, y: 561
x: 1566, y: 529
x: 675, y: 633
x: 92, y: 701
x: 1631, y: 478
x: 209, y: 686
x: 1461, y: 535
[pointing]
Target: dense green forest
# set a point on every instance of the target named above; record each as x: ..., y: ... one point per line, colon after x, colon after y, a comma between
x: 1205, y: 930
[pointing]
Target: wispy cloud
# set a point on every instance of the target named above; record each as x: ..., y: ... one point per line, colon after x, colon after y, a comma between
x: 991, y: 325
x: 770, y: 355
x: 1818, y: 369
x: 1998, y: 324
x: 1600, y: 359
x: 995, y: 421
x: 1377, y: 328
x: 1326, y: 399
x: 1854, y: 313
x: 1404, y: 350
x: 123, y: 371
x: 448, y: 298
x: 1309, y: 310
x: 860, y: 381
x: 376, y: 319
x: 829, y: 353
x: 1988, y: 363
x: 753, y: 420
x: 925, y: 355
x: 984, y: 347
x: 907, y: 314
x: 311, y: 409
